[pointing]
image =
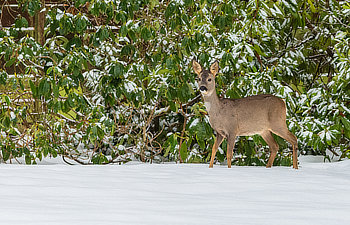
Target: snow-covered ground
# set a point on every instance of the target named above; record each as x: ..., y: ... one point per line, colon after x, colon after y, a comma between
x: 317, y: 193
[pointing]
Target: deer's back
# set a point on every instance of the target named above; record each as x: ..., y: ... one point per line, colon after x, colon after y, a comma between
x: 247, y: 116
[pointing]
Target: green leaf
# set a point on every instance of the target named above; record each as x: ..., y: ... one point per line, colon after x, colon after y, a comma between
x: 80, y: 25
x: 28, y: 159
x: 169, y: 63
x: 183, y: 151
x: 347, y: 133
x: 153, y: 3
x: 55, y: 89
x: 33, y: 7
x: 126, y: 50
x: 346, y: 123
x: 7, y: 99
x: 46, y: 151
x: 6, y: 152
x: 10, y: 62
x: 132, y: 35
x: 100, y: 133
x: 33, y: 88
x: 99, y: 159
x: 21, y: 22
x: 123, y: 31
x: 44, y: 87
x: 6, y: 122
x: 167, y: 151
x: 104, y: 34
x: 146, y: 34
x: 117, y: 70
x: 2, y: 33
x: 169, y: 10
x: 53, y: 153
x: 201, y: 142
x: 312, y: 7
x: 3, y: 77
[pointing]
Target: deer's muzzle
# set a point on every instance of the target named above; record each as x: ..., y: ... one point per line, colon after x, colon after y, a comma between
x: 203, y: 89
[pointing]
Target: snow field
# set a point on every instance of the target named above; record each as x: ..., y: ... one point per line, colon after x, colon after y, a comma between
x: 317, y: 193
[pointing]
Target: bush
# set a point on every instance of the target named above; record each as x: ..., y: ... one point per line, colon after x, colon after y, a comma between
x: 112, y: 82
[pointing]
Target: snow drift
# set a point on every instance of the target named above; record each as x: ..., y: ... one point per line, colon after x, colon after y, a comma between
x: 317, y: 193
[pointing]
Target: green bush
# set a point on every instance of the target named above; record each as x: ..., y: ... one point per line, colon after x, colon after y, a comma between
x: 112, y: 83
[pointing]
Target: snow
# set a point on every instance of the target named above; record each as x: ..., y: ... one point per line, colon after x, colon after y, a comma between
x: 195, y: 122
x: 130, y: 86
x: 136, y: 193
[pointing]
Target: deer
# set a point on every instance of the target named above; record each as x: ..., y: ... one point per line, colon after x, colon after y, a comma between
x: 261, y: 114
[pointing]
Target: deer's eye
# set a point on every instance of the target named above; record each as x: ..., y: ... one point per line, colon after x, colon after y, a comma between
x: 199, y: 79
x: 209, y: 79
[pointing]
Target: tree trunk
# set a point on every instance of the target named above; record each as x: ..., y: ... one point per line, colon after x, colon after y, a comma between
x: 39, y: 24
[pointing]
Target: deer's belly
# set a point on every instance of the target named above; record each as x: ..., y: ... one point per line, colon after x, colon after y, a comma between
x: 250, y: 130
x: 248, y: 133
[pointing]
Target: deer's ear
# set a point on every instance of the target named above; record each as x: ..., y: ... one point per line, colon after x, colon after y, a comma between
x: 214, y: 68
x: 196, y: 67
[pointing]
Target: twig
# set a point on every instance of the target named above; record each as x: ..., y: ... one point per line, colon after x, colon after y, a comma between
x: 64, y: 159
x: 182, y: 132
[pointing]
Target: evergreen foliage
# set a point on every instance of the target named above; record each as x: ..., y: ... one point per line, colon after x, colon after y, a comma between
x: 113, y: 81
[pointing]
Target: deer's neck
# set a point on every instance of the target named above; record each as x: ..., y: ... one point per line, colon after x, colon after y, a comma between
x: 211, y: 102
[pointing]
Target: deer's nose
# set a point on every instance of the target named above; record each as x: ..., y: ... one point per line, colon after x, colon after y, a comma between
x: 202, y: 88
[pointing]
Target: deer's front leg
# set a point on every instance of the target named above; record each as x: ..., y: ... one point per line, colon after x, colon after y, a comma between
x: 216, y: 145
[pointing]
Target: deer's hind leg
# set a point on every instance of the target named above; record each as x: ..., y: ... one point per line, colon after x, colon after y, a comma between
x: 230, y: 146
x: 290, y: 137
x: 267, y: 136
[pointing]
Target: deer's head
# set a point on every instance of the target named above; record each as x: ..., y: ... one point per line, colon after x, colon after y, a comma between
x: 206, y: 78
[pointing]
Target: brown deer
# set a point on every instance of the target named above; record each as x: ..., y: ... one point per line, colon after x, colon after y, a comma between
x: 259, y: 114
